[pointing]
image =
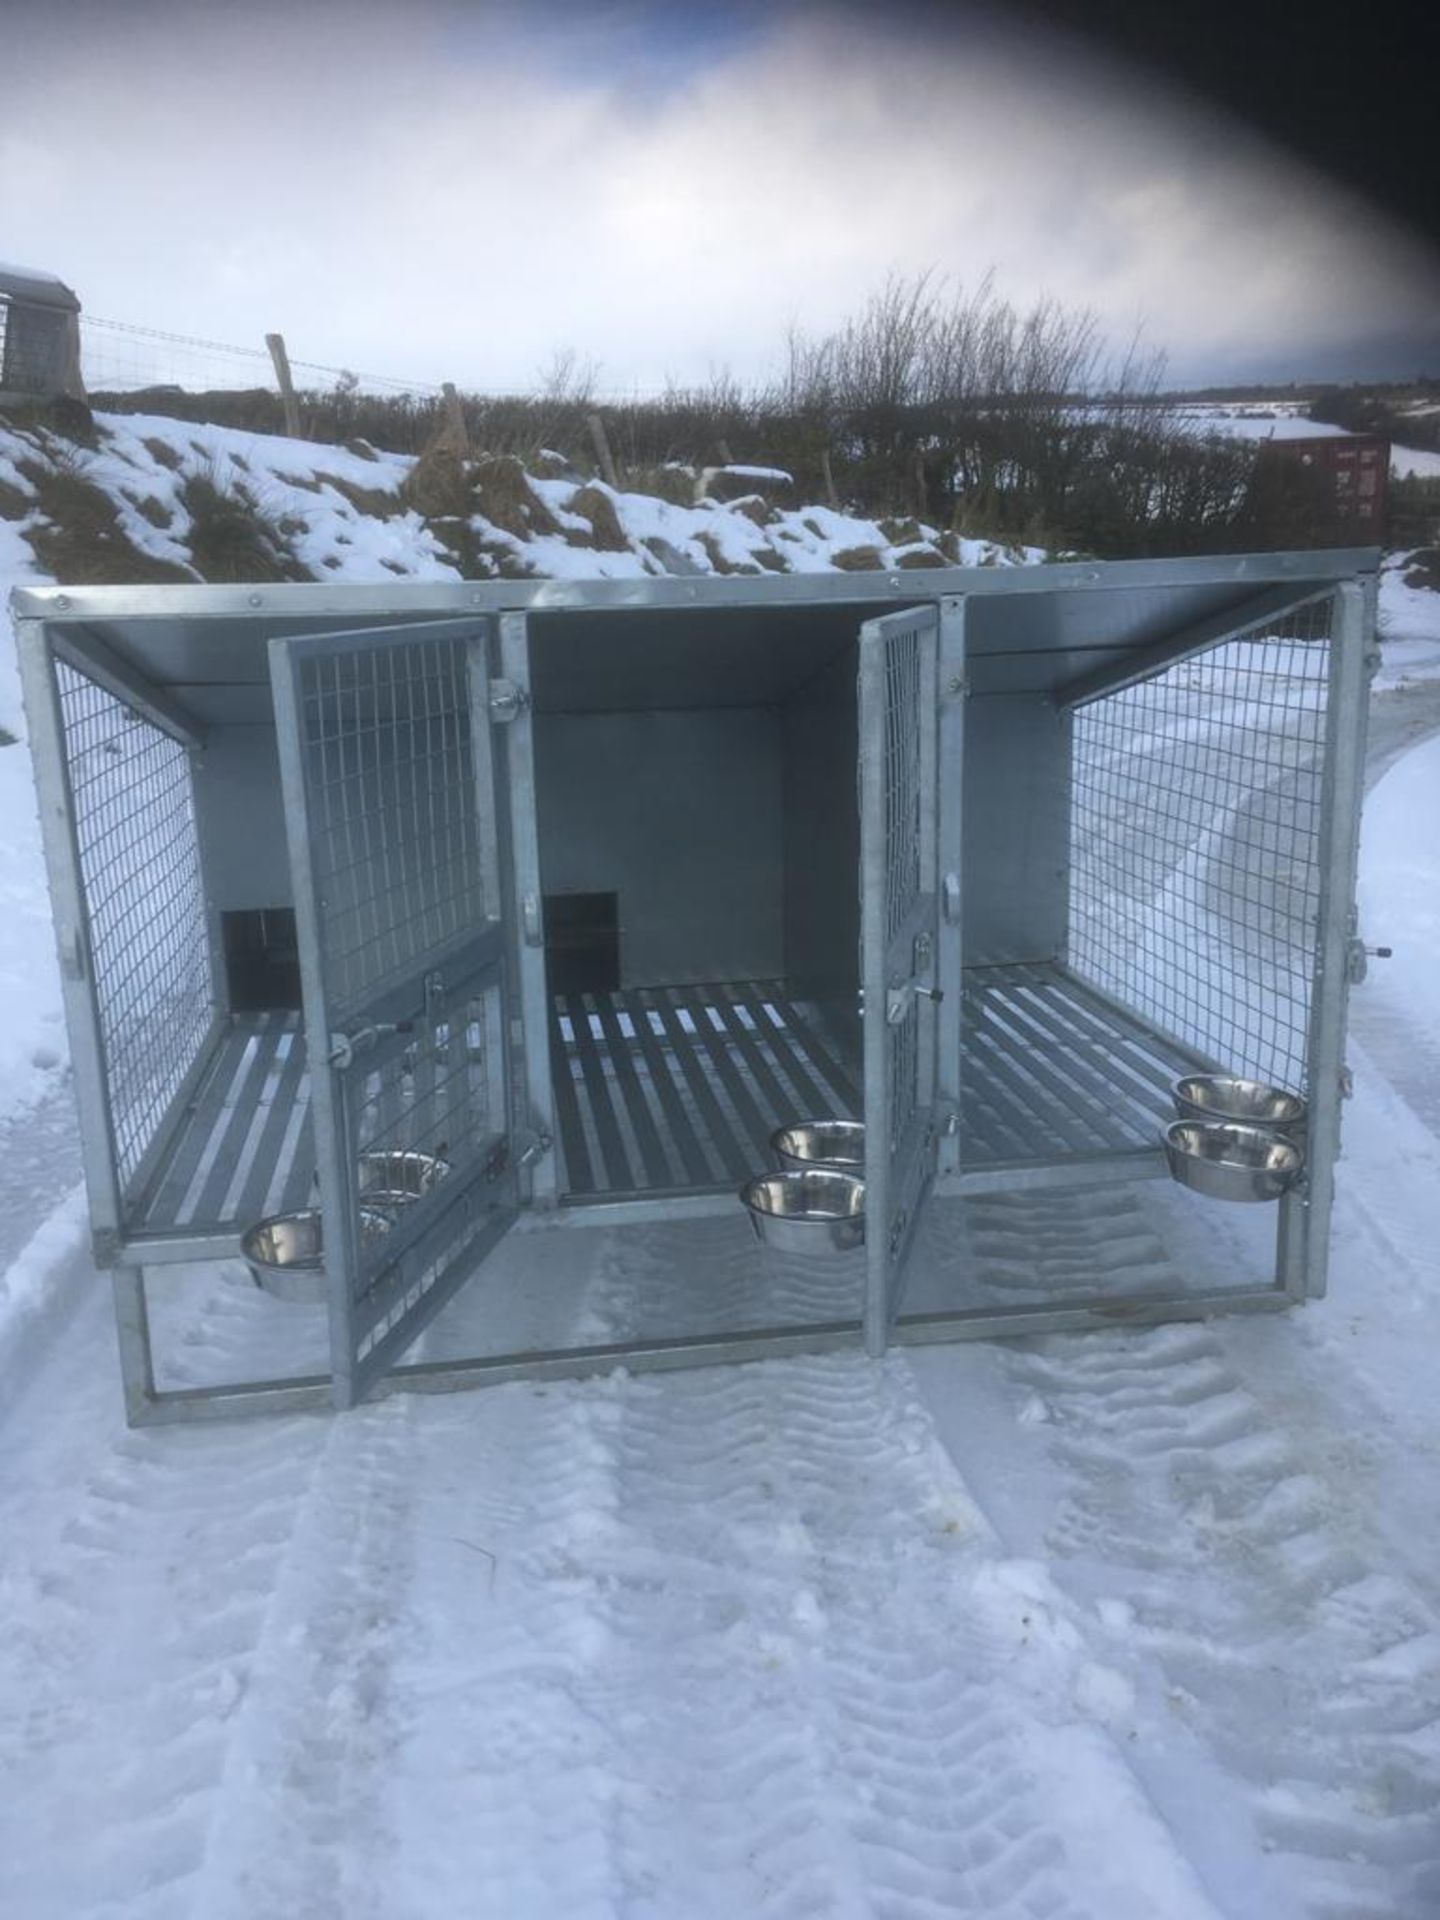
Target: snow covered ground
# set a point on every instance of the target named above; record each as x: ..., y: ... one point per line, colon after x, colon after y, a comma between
x: 1122, y: 1626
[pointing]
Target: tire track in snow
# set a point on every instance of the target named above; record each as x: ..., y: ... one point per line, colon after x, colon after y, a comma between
x: 729, y: 1642
x: 298, y: 1817
x: 133, y: 1617
x: 1248, y: 1566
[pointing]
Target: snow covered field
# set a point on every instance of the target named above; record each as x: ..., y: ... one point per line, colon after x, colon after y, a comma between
x: 1128, y: 1626
x: 1280, y: 420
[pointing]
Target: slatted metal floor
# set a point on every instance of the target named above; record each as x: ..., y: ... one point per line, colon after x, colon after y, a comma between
x: 244, y: 1149
x: 678, y: 1089
x: 1051, y: 1073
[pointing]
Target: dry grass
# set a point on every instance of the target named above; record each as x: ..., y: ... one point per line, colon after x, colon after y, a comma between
x: 474, y: 555
x: 858, y: 560
x: 13, y: 503
x: 901, y: 533
x: 922, y: 557
x: 505, y: 497
x: 163, y: 454
x: 673, y: 483
x: 771, y: 561
x: 151, y: 509
x: 378, y: 503
x: 716, y: 554
x: 438, y: 486
x: 79, y: 540
x: 231, y: 537
x: 592, y: 503
x: 755, y: 509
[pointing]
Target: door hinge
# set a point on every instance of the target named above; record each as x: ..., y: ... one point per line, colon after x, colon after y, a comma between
x: 1358, y: 957
x: 535, y: 1146
x: 72, y: 953
x: 507, y: 701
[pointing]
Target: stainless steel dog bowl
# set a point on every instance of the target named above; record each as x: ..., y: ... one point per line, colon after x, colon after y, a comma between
x: 820, y: 1143
x: 816, y: 1211
x: 395, y: 1179
x: 1224, y: 1096
x: 286, y: 1253
x: 1226, y: 1161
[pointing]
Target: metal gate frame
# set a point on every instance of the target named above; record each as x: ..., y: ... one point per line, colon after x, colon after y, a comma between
x: 404, y: 985
x: 899, y: 940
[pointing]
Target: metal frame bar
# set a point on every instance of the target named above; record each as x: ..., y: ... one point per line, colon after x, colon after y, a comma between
x: 148, y: 1406
x: 98, y: 661
x: 327, y: 1110
x: 1145, y: 662
x: 528, y: 941
x: 323, y: 599
x: 1304, y: 1250
x: 951, y: 696
x: 1138, y: 1310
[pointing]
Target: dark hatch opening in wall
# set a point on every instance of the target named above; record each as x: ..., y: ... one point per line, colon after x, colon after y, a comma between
x: 262, y: 960
x: 582, y: 942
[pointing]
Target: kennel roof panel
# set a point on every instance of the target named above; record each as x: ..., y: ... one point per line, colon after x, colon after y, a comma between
x: 1029, y: 629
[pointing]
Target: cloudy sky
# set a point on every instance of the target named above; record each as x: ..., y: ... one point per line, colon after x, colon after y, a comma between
x: 439, y: 190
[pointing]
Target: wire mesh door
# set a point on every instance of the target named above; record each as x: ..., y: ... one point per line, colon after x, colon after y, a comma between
x: 899, y: 930
x: 385, y: 754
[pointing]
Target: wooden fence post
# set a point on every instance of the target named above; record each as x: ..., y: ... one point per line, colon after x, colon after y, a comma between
x: 827, y: 475
x: 276, y: 343
x: 457, y: 434
x: 603, y: 454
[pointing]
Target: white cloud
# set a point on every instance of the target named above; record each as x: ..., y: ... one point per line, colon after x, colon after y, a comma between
x: 405, y: 196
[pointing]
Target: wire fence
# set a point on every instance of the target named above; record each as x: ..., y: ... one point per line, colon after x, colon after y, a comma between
x: 119, y: 357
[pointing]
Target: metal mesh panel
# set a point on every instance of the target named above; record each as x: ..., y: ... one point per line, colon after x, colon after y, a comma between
x: 902, y: 764
x: 1195, y: 845
x: 140, y: 867
x: 902, y: 779
x: 392, y: 809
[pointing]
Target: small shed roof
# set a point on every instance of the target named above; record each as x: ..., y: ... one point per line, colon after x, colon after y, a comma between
x: 35, y: 288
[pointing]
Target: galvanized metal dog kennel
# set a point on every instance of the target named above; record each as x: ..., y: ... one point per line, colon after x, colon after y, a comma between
x: 570, y: 894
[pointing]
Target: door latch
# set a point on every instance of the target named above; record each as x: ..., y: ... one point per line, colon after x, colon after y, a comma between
x: 345, y: 1046
x: 897, y: 1000
x: 507, y: 701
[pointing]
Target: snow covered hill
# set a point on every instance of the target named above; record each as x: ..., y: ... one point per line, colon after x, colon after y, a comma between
x: 352, y: 513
